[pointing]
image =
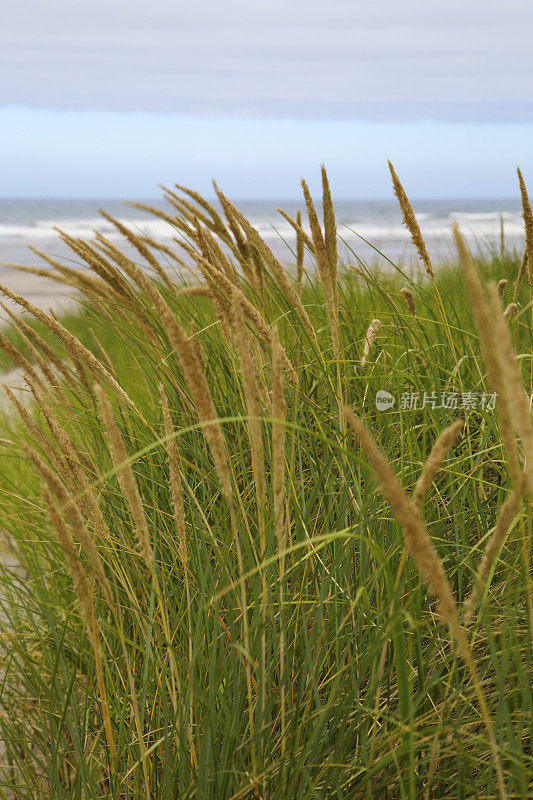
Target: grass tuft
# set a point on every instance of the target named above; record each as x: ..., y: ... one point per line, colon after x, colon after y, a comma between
x: 206, y: 593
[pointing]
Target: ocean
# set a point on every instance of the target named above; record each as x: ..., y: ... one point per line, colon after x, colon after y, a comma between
x: 371, y: 232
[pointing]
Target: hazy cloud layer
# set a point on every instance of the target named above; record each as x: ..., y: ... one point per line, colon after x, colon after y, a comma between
x: 374, y: 59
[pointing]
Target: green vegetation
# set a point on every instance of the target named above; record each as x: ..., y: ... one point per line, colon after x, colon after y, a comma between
x: 281, y: 644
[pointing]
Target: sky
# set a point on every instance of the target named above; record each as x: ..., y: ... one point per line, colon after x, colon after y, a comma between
x: 108, y: 99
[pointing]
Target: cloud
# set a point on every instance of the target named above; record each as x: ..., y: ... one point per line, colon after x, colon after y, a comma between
x: 368, y: 59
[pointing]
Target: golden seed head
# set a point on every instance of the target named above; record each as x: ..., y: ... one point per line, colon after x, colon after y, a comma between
x: 510, y: 310
x: 409, y: 300
x: 439, y: 451
x: 300, y: 242
x: 252, y: 398
x: 501, y: 286
x: 278, y: 435
x: 511, y: 377
x: 75, y: 567
x: 75, y: 519
x: 491, y: 346
x: 521, y: 272
x: 125, y: 477
x: 411, y: 223
x: 527, y: 215
x: 370, y: 337
x: 505, y: 516
x: 414, y: 530
x: 176, y: 486
x: 279, y: 272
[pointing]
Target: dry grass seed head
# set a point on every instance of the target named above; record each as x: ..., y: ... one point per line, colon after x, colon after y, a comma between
x: 225, y: 317
x: 120, y: 258
x: 370, y: 338
x: 527, y: 214
x: 84, y: 592
x: 85, y: 596
x: 94, y: 259
x: 203, y: 203
x: 438, y: 453
x: 319, y: 246
x: 156, y: 212
x: 76, y: 349
x: 44, y: 273
x: 411, y: 222
x: 223, y: 290
x: 51, y: 379
x: 39, y: 342
x: 19, y: 359
x: 301, y: 235
x: 242, y: 248
x: 75, y: 567
x: 278, y: 270
x: 78, y: 279
x: 163, y: 248
x: 223, y: 307
x: 416, y: 536
x: 195, y: 344
x: 194, y: 374
x: 39, y: 438
x: 196, y: 290
x: 216, y: 254
x: 409, y: 300
x: 59, y: 434
x: 125, y: 477
x: 176, y: 486
x: 502, y: 285
x: 190, y: 212
x: 75, y: 478
x: 324, y: 252
x: 201, y: 394
x: 520, y: 416
x: 510, y: 310
x: 330, y: 231
x: 299, y: 253
x: 506, y: 515
x: 252, y: 400
x: 258, y: 362
x: 110, y: 283
x: 492, y: 354
x: 330, y: 226
x: 136, y: 241
x: 521, y: 273
x: 72, y: 513
x: 218, y: 282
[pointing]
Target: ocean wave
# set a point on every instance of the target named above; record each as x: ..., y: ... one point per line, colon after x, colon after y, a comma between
x: 83, y: 228
x: 483, y: 215
x: 474, y: 225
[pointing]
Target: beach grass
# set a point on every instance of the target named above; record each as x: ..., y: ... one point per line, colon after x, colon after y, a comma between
x: 227, y: 583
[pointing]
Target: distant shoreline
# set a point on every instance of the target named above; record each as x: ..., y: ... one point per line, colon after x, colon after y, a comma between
x: 32, y: 223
